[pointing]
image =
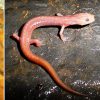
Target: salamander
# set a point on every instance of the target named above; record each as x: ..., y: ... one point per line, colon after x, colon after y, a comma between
x: 25, y: 39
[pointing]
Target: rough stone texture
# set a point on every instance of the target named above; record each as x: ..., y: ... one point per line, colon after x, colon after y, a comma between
x: 77, y: 62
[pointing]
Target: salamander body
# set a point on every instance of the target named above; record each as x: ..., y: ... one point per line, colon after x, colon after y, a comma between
x: 63, y: 21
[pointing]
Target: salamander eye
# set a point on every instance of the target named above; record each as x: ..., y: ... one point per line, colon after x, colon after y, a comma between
x: 87, y: 19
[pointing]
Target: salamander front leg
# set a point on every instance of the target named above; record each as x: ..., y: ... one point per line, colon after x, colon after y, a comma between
x: 63, y: 38
x: 59, y: 14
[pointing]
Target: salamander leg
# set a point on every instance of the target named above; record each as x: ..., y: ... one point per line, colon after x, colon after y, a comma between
x: 37, y: 42
x: 63, y: 38
x: 59, y: 14
x: 15, y: 36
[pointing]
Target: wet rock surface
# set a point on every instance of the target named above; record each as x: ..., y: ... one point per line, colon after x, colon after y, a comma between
x: 77, y: 62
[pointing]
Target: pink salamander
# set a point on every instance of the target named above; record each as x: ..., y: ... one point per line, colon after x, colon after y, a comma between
x: 63, y: 21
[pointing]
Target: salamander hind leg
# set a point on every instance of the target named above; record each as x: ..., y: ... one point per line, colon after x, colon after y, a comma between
x: 37, y: 42
x: 15, y: 36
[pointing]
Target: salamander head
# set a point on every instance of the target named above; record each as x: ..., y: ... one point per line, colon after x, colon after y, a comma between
x: 84, y: 18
